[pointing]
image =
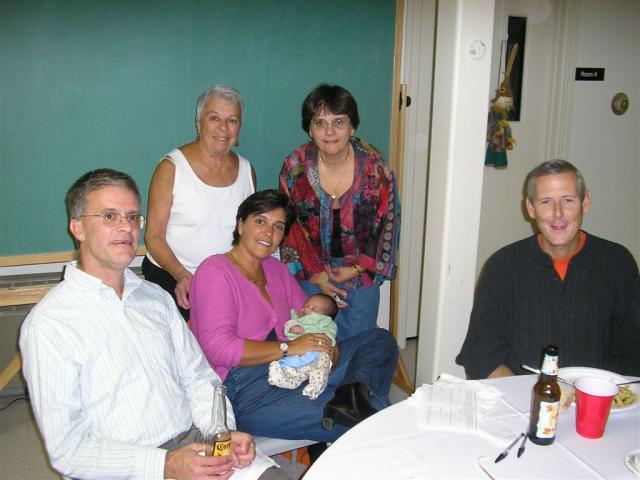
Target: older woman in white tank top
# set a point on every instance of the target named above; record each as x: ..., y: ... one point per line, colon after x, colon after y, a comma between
x: 194, y: 195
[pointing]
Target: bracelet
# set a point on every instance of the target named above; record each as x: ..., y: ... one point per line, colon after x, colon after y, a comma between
x: 357, y: 270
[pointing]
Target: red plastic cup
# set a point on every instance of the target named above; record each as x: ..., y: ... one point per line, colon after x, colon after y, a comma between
x: 594, y: 397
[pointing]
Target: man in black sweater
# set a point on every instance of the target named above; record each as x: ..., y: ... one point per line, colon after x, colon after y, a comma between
x: 561, y: 286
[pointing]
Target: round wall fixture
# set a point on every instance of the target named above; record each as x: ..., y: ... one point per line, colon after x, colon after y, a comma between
x: 477, y: 50
x: 620, y: 103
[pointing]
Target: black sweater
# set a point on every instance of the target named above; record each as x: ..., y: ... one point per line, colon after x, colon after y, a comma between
x: 521, y: 305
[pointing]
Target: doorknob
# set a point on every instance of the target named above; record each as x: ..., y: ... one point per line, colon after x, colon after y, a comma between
x: 407, y: 101
x: 620, y: 103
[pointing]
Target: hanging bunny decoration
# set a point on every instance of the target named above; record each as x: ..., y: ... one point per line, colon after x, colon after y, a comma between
x: 499, y: 138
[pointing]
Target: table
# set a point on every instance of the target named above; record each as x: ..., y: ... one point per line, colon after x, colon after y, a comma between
x: 392, y: 445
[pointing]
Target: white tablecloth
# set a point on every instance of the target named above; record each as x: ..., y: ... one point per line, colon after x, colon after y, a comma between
x: 392, y: 445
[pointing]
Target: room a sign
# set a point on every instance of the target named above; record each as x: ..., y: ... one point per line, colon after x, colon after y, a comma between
x: 585, y: 74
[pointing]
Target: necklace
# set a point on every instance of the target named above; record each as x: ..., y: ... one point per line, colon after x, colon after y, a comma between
x: 260, y: 282
x: 336, y: 187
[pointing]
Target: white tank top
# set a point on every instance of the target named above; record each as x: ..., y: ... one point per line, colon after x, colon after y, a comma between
x: 202, y: 217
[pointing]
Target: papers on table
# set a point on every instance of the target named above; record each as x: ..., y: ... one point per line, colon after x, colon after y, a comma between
x: 457, y: 405
x: 500, y: 431
x: 450, y: 407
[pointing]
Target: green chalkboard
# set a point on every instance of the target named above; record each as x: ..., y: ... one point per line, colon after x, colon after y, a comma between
x: 113, y: 83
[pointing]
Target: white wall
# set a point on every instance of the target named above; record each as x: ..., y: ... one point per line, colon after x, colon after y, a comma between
x: 606, y: 147
x: 573, y: 120
x: 466, y: 222
x: 503, y: 219
x: 417, y: 69
x: 456, y: 160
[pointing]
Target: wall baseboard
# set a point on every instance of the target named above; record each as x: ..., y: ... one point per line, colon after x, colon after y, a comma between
x: 13, y: 392
x: 47, y: 268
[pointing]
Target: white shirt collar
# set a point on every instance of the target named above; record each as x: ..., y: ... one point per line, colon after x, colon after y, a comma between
x: 73, y: 274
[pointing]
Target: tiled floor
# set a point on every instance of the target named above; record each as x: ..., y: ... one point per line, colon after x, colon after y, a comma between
x: 409, y: 356
x: 22, y: 455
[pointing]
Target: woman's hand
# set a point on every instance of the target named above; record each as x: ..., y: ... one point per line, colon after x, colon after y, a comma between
x: 158, y: 212
x: 182, y: 288
x: 330, y: 289
x: 311, y: 342
x: 342, y: 274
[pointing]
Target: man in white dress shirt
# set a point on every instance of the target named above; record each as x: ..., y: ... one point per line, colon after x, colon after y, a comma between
x: 113, y: 371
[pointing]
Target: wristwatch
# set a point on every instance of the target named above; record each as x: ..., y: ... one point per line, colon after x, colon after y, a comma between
x: 284, y: 348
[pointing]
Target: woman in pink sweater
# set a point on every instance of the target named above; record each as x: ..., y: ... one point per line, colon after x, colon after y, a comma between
x: 240, y: 302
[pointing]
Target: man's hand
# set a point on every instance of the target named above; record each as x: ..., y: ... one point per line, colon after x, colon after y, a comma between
x: 501, y: 371
x: 243, y: 449
x: 187, y: 463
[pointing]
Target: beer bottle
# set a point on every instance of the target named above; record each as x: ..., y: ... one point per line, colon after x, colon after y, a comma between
x: 545, y: 400
x: 218, y: 437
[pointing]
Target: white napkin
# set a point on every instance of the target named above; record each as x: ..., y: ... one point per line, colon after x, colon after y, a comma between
x: 257, y: 467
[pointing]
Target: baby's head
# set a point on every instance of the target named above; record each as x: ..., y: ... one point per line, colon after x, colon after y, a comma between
x: 320, y: 303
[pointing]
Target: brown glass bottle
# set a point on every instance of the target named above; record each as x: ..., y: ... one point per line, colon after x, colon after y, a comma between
x: 545, y: 400
x: 218, y: 436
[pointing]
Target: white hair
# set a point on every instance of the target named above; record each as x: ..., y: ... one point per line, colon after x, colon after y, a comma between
x: 221, y: 90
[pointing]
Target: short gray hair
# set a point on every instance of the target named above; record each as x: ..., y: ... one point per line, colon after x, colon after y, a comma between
x: 221, y: 90
x: 76, y: 198
x: 554, y: 167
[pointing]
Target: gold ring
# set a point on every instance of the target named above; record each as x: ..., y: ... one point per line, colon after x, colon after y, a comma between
x: 319, y: 342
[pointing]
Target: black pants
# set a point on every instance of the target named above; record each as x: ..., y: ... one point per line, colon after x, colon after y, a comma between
x: 163, y: 278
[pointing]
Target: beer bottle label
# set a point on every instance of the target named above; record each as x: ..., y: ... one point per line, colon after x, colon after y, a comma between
x: 221, y: 448
x: 547, y: 418
x: 550, y: 365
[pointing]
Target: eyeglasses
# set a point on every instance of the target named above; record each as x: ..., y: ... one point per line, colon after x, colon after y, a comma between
x: 337, y: 124
x: 113, y: 219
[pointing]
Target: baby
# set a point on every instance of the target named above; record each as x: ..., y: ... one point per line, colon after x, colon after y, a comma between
x: 315, y: 316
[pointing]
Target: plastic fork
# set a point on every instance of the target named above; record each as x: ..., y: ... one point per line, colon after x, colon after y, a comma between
x: 627, y: 383
x: 560, y: 379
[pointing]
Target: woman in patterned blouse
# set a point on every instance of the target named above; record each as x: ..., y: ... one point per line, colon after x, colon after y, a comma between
x: 345, y: 240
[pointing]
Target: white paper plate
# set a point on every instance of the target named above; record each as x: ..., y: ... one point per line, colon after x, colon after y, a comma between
x: 571, y: 374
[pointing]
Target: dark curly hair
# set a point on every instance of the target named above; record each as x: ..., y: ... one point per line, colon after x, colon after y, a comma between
x: 336, y: 99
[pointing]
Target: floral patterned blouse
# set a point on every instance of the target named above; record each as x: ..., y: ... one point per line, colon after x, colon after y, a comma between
x: 369, y: 216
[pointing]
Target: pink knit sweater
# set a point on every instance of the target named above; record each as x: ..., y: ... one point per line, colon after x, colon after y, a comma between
x: 226, y: 308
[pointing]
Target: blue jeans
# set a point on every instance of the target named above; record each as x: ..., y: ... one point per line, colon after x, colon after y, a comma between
x: 264, y: 410
x: 361, y: 313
